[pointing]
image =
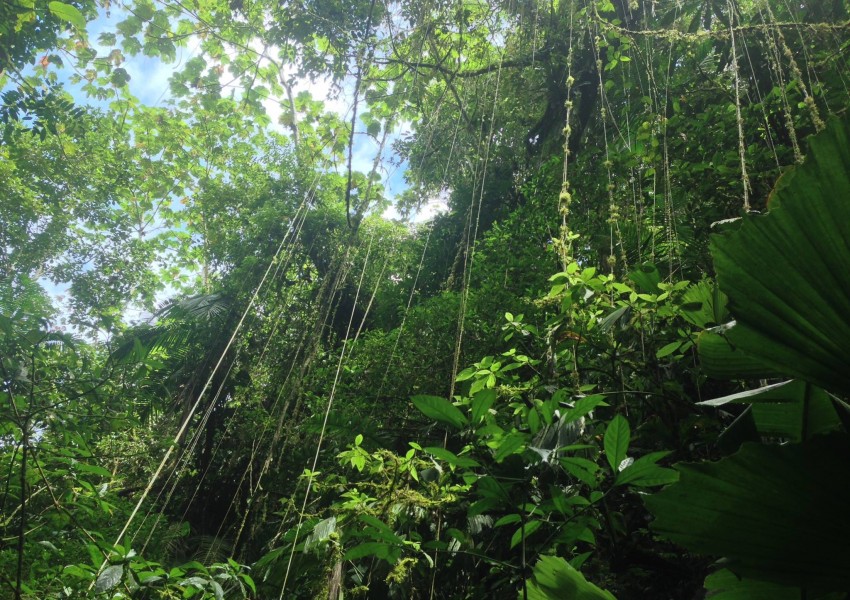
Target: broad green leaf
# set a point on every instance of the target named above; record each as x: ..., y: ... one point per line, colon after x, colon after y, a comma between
x: 93, y: 469
x: 606, y: 323
x: 440, y: 410
x: 374, y: 128
x: 95, y: 555
x: 555, y: 579
x: 378, y: 549
x: 249, y: 581
x: 787, y: 274
x: 508, y: 520
x: 451, y: 458
x: 77, y: 571
x: 196, y: 582
x: 725, y: 585
x: 489, y: 487
x: 510, y: 444
x: 481, y: 403
x: 321, y: 532
x: 533, y: 420
x: 704, y: 305
x: 792, y: 410
x: 616, y: 442
x: 109, y: 578
x: 647, y: 278
x: 68, y: 13
x: 217, y: 590
x: 644, y: 472
x: 668, y: 349
x: 580, y: 468
x: 776, y: 513
x: 382, y: 528
x: 193, y: 565
x: 583, y: 406
x: 119, y: 77
x: 720, y: 360
x: 524, y: 532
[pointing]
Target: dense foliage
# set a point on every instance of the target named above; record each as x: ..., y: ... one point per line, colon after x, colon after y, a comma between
x: 238, y: 362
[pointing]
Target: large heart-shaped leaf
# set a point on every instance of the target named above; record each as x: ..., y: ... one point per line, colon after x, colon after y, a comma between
x: 787, y: 274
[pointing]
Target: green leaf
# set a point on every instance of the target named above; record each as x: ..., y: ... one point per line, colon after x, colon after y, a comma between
x: 120, y: 77
x: 777, y: 513
x: 109, y: 578
x: 440, y: 410
x: 510, y: 444
x: 249, y: 581
x: 217, y: 590
x: 583, y: 406
x: 381, y: 528
x: 668, y: 349
x: 725, y: 585
x: 792, y: 410
x: 615, y: 316
x: 720, y: 360
x: 647, y: 278
x: 528, y: 529
x: 508, y: 520
x: 787, y: 274
x: 68, y: 13
x: 374, y: 128
x: 533, y: 420
x: 378, y: 549
x: 94, y: 469
x: 616, y: 442
x: 581, y: 468
x: 555, y: 579
x: 78, y: 572
x: 6, y: 325
x: 644, y: 472
x: 704, y: 305
x: 321, y: 532
x: 481, y: 403
x: 451, y: 457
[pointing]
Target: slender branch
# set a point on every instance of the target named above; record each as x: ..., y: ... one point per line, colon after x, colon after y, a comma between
x: 354, y: 121
x: 23, y: 518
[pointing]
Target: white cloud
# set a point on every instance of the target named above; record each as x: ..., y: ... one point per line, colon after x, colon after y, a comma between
x: 427, y: 210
